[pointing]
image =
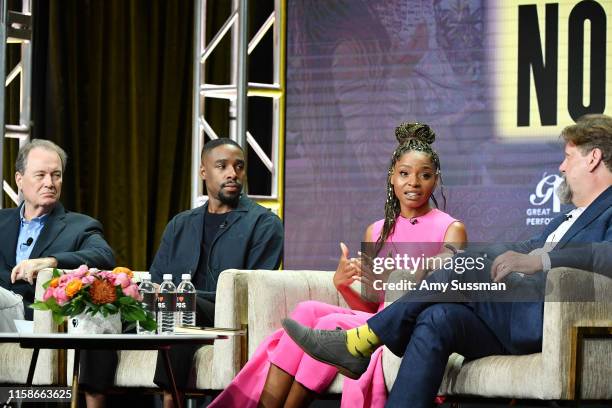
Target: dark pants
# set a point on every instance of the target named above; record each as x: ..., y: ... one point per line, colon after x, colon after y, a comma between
x: 181, y: 357
x: 439, y: 330
x: 425, y: 331
x: 98, y: 367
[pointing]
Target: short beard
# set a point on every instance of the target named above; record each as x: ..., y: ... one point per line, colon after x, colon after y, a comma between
x: 564, y: 192
x: 230, y: 200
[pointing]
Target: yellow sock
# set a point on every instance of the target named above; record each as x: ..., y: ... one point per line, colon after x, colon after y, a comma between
x: 361, y: 341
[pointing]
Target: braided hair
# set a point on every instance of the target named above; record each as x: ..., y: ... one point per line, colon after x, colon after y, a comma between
x: 412, y: 137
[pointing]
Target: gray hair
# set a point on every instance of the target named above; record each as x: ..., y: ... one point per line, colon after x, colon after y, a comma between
x: 22, y: 155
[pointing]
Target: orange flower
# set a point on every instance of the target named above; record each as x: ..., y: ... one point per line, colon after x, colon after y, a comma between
x: 102, y: 292
x: 73, y: 287
x: 123, y: 269
x: 54, y: 282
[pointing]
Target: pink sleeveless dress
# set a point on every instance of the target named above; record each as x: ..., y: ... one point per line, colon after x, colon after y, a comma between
x: 278, y: 348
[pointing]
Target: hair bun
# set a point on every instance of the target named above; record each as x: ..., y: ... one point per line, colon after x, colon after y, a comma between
x: 413, y: 130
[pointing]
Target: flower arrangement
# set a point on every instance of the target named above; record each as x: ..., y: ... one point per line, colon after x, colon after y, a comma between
x: 92, y: 291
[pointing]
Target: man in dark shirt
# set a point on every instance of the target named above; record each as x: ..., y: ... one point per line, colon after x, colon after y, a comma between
x: 229, y: 231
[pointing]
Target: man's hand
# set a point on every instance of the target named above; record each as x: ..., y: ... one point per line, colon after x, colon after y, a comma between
x: 28, y: 269
x: 511, y: 261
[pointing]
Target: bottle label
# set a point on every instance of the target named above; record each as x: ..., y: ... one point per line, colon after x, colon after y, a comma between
x: 166, y: 302
x: 149, y: 300
x: 185, y: 302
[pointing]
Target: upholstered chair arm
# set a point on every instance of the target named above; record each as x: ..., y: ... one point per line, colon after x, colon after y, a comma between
x: 230, y: 312
x: 15, y: 361
x: 577, y: 298
x: 272, y: 295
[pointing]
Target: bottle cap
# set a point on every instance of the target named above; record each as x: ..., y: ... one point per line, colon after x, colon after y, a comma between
x: 167, y: 276
x: 186, y: 276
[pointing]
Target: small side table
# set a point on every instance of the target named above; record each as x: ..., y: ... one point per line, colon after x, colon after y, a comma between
x: 162, y: 343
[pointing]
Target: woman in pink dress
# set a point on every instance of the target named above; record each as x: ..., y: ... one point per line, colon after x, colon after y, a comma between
x: 280, y: 373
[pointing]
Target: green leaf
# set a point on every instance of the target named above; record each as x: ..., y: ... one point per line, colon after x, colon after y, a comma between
x: 55, y: 308
x: 126, y: 300
x: 56, y: 273
x: 128, y: 316
x: 78, y: 308
x: 39, y: 306
x: 139, y: 314
x: 149, y: 325
x: 58, y: 318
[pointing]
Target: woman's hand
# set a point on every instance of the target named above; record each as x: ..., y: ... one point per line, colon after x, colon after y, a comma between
x: 348, y: 270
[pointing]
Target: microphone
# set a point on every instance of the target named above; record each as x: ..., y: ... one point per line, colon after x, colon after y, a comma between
x: 414, y: 221
x: 223, y: 225
x: 28, y: 241
x: 567, y: 217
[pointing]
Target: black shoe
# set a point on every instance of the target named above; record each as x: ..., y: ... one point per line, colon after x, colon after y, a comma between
x: 327, y: 346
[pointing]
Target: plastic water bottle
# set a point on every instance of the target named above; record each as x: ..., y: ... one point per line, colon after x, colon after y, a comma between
x: 147, y: 290
x: 166, y: 306
x: 186, y: 301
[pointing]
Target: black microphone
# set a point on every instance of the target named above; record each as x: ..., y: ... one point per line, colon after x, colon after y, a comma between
x: 28, y: 241
x: 567, y: 217
x: 223, y: 225
x: 414, y: 221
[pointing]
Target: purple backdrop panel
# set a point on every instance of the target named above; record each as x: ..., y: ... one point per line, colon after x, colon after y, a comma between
x: 357, y: 68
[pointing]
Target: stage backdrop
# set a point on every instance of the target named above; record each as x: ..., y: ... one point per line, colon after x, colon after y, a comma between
x: 496, y: 80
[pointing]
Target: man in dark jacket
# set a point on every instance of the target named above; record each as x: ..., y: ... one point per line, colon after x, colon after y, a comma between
x: 40, y: 233
x: 229, y: 231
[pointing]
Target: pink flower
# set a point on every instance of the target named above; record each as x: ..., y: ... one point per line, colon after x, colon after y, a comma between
x: 123, y: 280
x: 132, y: 291
x: 87, y: 279
x: 106, y: 275
x: 60, y: 296
x: 82, y: 269
x: 48, y: 294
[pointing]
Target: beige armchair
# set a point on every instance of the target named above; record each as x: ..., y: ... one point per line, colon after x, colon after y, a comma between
x: 549, y: 375
x: 15, y: 361
x: 272, y: 295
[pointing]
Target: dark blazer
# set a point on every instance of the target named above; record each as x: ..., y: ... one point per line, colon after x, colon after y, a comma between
x: 73, y: 239
x: 593, y: 225
x: 252, y: 238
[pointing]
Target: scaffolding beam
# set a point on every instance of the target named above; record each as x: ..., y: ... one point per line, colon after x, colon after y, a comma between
x: 15, y: 30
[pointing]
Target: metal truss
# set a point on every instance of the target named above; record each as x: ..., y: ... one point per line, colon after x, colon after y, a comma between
x: 15, y: 30
x: 238, y: 91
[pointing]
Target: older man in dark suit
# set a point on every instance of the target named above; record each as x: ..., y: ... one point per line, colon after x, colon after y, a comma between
x: 40, y: 233
x: 425, y: 330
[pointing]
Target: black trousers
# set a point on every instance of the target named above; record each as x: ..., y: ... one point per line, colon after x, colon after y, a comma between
x: 98, y: 367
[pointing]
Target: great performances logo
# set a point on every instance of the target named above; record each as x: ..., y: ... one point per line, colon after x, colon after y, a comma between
x: 545, y: 202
